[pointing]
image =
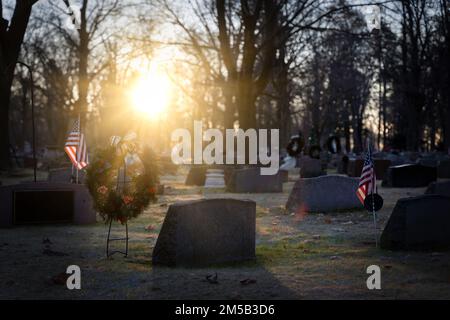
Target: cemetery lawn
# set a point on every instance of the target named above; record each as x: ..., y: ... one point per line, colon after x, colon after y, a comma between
x: 310, y: 256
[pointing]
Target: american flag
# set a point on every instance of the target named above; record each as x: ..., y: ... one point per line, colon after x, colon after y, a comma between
x: 76, y: 147
x: 368, y: 180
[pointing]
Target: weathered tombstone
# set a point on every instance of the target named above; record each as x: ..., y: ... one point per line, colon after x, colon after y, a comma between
x: 355, y: 167
x: 196, y: 176
x: 206, y: 232
x: 250, y: 180
x: 45, y: 202
x: 441, y: 188
x: 409, y: 176
x: 325, y: 193
x: 65, y: 175
x: 444, y: 169
x: 418, y: 223
x: 310, y: 168
x: 381, y: 167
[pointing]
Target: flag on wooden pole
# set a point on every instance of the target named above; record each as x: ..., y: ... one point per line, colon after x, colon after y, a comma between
x: 76, y: 147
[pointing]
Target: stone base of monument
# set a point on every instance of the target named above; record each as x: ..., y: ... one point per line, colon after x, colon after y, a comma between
x: 65, y: 175
x: 418, y: 223
x: 250, y: 180
x: 43, y: 202
x: 441, y: 188
x: 202, y: 233
x: 325, y: 193
x: 196, y: 176
x: 409, y: 176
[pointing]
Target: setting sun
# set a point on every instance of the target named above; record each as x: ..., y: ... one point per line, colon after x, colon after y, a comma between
x: 150, y: 95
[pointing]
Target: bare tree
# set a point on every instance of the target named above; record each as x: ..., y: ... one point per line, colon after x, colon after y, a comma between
x: 11, y: 38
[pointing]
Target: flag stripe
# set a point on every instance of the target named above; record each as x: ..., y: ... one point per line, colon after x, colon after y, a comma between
x: 368, y: 181
x: 75, y: 147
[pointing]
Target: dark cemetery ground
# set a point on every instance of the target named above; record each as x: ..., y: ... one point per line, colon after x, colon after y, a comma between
x: 299, y: 256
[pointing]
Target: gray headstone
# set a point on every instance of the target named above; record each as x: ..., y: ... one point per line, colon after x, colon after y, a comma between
x: 196, y: 176
x: 444, y: 169
x: 326, y: 193
x: 65, y: 175
x: 355, y: 167
x: 418, y: 223
x: 441, y: 188
x: 80, y: 206
x: 381, y: 167
x: 206, y: 232
x: 310, y: 168
x: 250, y: 180
x: 409, y: 176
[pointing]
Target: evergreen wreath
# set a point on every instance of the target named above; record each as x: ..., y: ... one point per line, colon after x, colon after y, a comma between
x: 116, y: 201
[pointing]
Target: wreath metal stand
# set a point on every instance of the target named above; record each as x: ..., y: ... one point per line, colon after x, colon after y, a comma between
x: 109, y: 239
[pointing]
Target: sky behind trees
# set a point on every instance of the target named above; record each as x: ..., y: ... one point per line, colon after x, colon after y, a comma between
x: 295, y: 65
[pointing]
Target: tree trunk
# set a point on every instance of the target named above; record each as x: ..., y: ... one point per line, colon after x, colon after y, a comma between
x: 5, y: 93
x: 11, y: 39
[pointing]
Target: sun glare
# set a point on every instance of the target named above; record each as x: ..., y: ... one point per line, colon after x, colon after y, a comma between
x: 150, y: 94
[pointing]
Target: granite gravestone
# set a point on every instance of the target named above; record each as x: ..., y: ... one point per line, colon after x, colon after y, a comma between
x: 325, y: 193
x: 441, y: 188
x: 310, y: 167
x: 206, y: 232
x: 381, y: 167
x: 250, y: 180
x: 196, y: 176
x: 355, y: 167
x: 418, y: 223
x: 409, y: 176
